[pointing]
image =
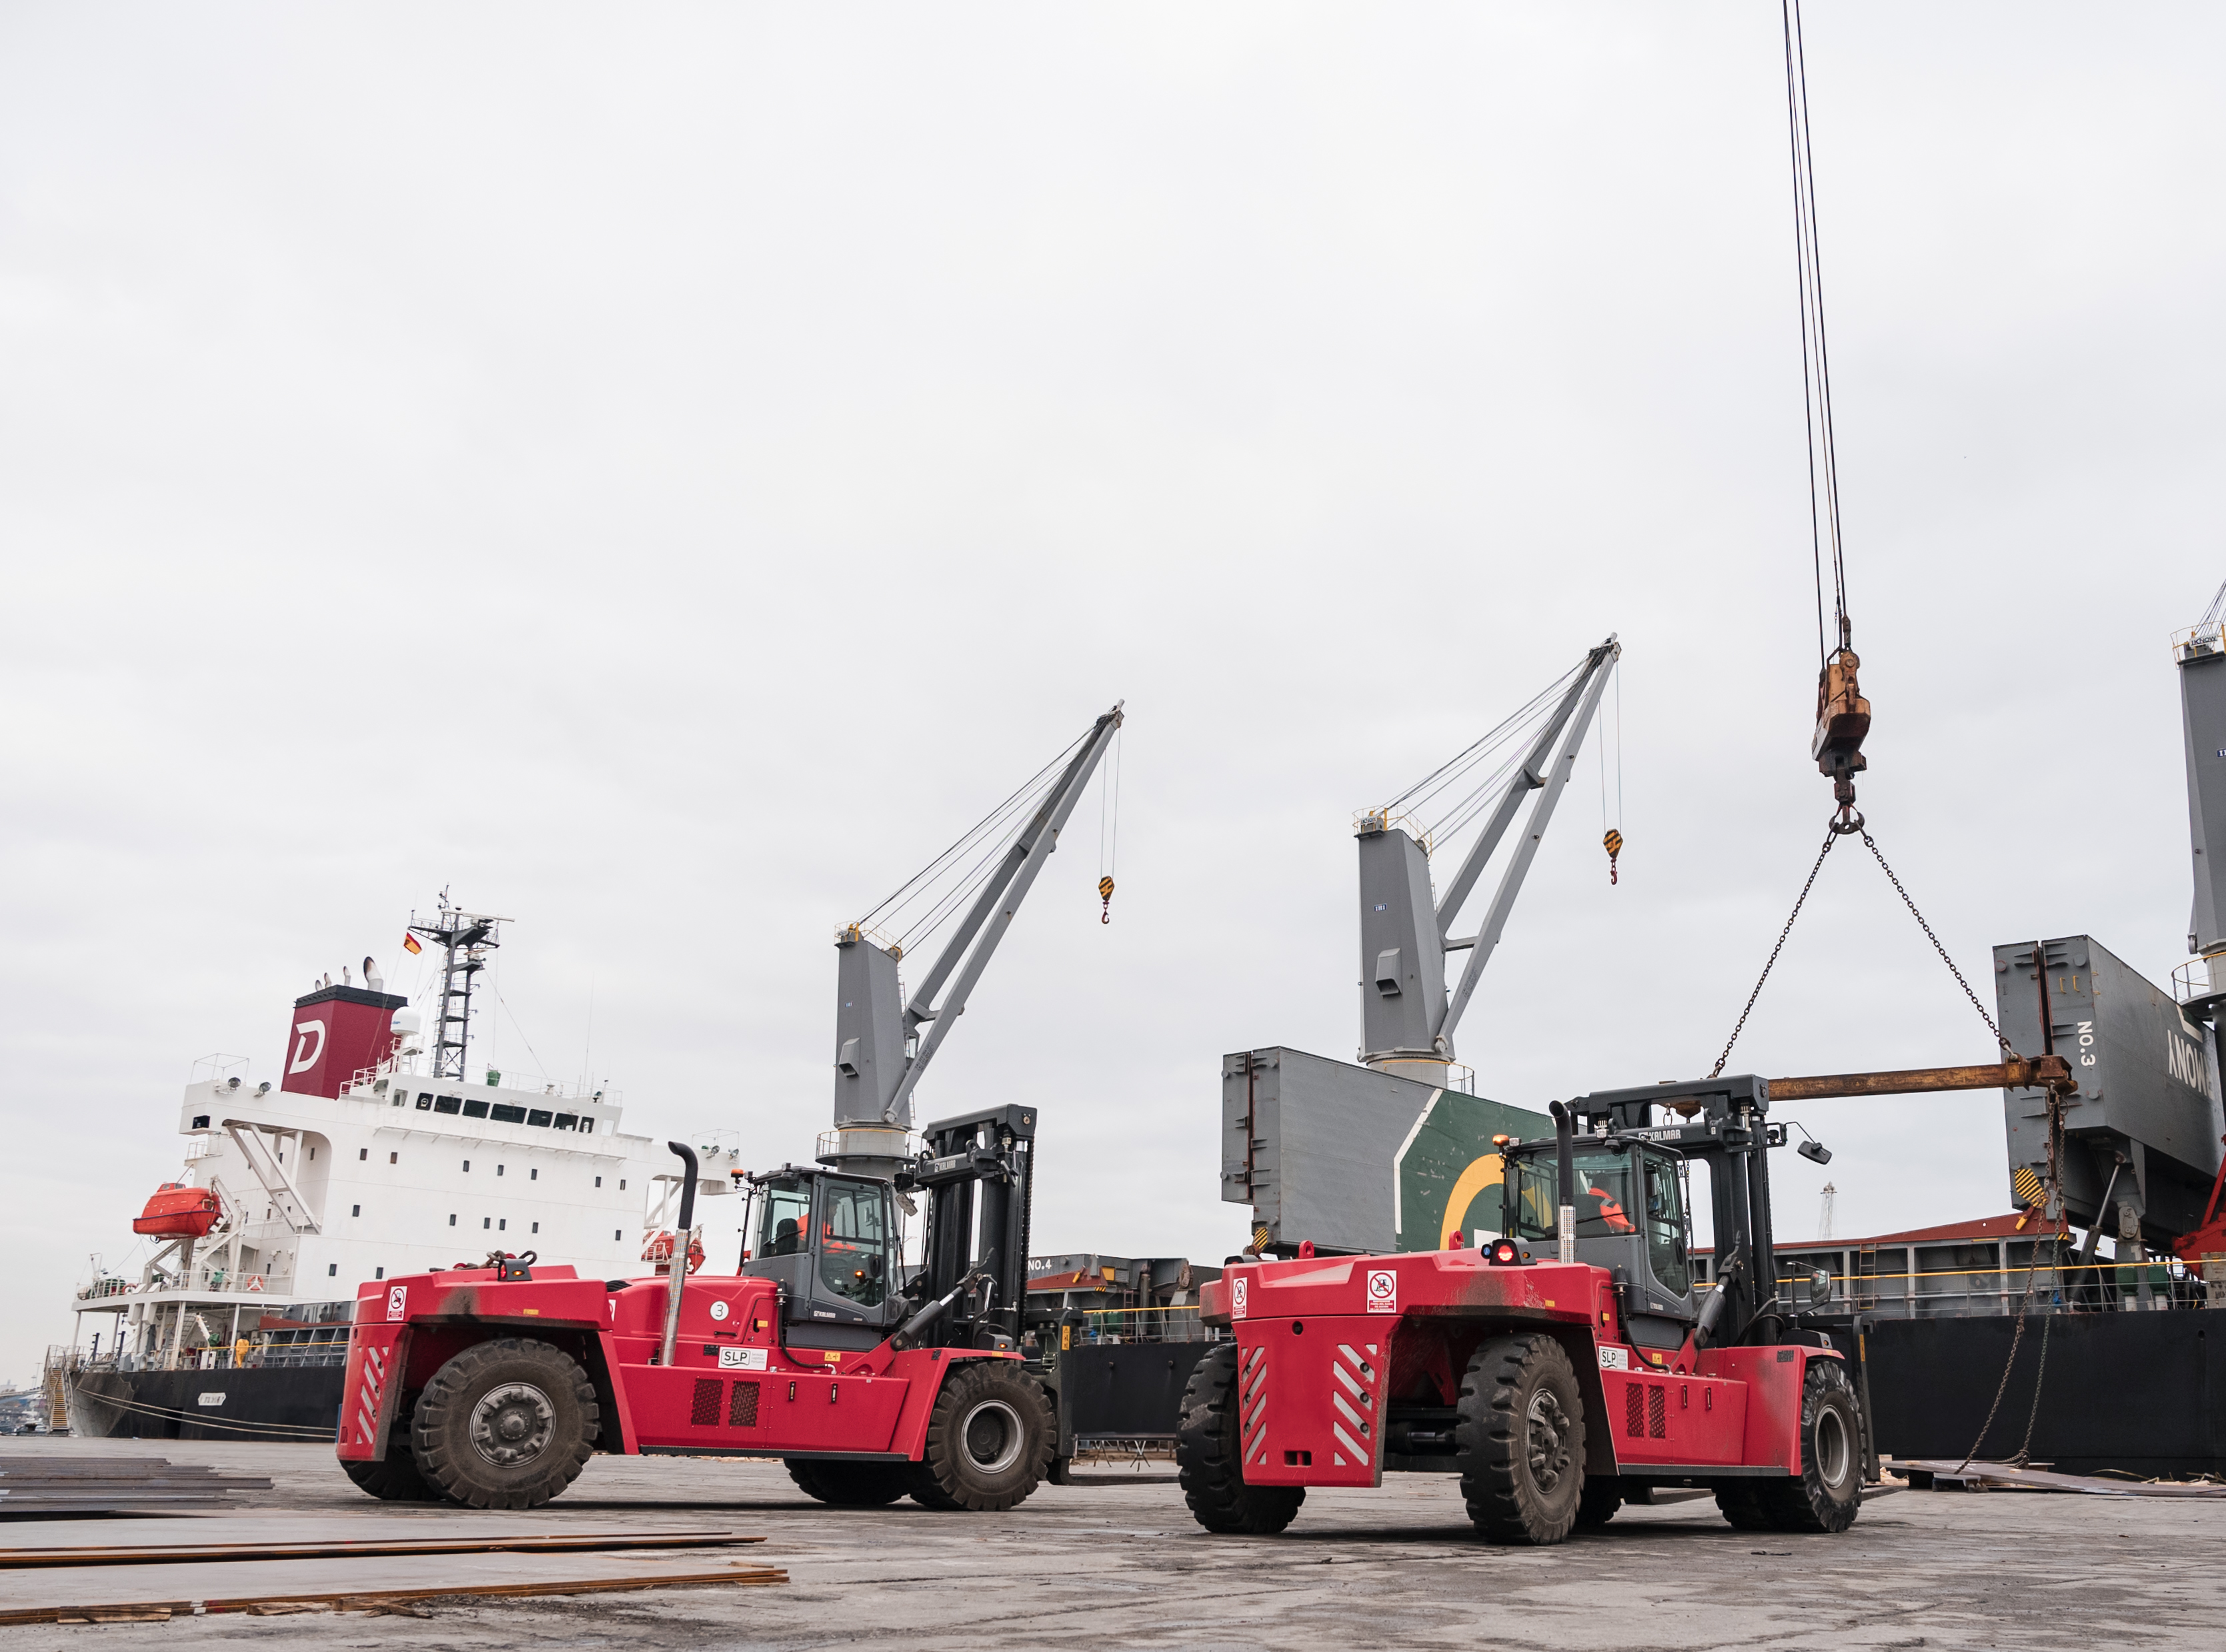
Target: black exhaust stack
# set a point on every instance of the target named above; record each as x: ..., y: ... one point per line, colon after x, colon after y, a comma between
x: 1564, y: 1149
x: 675, y: 1272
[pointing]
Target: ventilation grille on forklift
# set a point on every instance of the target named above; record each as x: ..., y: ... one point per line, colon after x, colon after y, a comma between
x: 1646, y: 1410
x: 703, y: 1411
x: 743, y: 1412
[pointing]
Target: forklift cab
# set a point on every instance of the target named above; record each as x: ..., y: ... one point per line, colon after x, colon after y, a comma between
x: 1631, y: 1220
x: 830, y: 1244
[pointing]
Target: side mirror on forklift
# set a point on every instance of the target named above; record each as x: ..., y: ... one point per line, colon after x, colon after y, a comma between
x: 1820, y: 1288
x: 876, y: 1266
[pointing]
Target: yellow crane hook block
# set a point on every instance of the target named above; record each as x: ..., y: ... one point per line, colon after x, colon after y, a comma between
x: 1613, y: 844
x: 1105, y: 893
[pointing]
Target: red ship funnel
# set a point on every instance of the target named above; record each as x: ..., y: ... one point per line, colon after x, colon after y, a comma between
x: 336, y: 1034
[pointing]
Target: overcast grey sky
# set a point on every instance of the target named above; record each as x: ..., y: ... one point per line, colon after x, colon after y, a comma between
x: 662, y: 472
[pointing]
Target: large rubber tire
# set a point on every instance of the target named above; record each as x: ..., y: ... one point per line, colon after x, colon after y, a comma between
x: 989, y: 1439
x: 1831, y: 1487
x: 850, y: 1485
x: 397, y: 1479
x: 1603, y: 1496
x: 506, y: 1424
x: 1740, y: 1502
x: 928, y: 1494
x: 1211, y: 1461
x: 1520, y: 1442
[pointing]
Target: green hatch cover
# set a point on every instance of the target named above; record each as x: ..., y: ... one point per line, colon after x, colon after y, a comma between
x: 1447, y: 1159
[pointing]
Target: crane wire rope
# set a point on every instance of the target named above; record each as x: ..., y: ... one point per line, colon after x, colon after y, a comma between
x: 1611, y: 836
x: 1816, y: 354
x: 932, y: 881
x: 1523, y: 720
x: 1109, y: 835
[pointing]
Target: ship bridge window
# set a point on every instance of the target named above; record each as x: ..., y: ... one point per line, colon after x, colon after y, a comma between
x: 505, y: 1113
x: 538, y: 1118
x: 476, y: 1110
x: 567, y: 1120
x: 448, y: 1103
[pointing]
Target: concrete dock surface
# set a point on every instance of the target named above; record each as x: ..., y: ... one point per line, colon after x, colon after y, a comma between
x: 1115, y: 1562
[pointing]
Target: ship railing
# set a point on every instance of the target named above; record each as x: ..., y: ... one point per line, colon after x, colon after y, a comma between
x: 244, y: 1283
x: 2198, y: 642
x: 2065, y: 1286
x: 376, y: 1080
x: 2199, y: 979
x: 1107, y: 1325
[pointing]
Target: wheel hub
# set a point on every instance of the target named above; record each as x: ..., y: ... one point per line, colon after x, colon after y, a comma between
x: 1547, y: 1439
x: 512, y: 1424
x: 1832, y: 1453
x: 992, y: 1436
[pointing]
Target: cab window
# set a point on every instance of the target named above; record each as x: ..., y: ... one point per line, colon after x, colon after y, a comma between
x: 1666, y: 1251
x: 854, y: 1241
x: 1605, y: 1204
x: 786, y: 1227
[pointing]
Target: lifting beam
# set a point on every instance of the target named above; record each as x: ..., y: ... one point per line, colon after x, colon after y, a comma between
x: 2042, y: 1072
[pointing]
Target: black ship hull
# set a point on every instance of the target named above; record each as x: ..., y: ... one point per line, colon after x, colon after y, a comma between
x: 300, y: 1402
x: 2123, y: 1393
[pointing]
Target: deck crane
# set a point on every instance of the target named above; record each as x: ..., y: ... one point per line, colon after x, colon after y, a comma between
x: 492, y: 1384
x: 880, y: 1052
x: 1407, y: 1017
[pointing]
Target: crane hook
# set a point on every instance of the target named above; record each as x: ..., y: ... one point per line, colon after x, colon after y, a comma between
x: 1613, y: 844
x: 1105, y: 892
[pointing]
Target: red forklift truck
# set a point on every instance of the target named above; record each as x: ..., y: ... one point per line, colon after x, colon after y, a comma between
x: 1569, y: 1366
x: 492, y: 1385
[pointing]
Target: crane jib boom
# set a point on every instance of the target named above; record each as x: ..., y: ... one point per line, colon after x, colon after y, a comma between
x: 991, y: 914
x: 1528, y: 778
x: 1511, y: 883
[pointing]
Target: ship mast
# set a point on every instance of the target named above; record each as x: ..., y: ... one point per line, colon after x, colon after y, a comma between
x: 465, y: 939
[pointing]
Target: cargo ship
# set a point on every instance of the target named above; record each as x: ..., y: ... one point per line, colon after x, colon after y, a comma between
x: 369, y: 1152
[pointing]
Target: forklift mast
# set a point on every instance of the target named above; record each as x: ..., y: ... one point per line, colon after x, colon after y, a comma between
x: 829, y: 1240
x: 978, y: 1169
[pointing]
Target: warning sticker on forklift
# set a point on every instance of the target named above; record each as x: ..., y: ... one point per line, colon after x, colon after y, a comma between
x: 1614, y: 1359
x: 1382, y: 1291
x: 742, y: 1359
x: 397, y: 1296
x: 1239, y: 1288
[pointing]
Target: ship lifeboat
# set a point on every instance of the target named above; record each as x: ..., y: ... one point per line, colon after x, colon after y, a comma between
x: 179, y: 1211
x: 659, y: 1250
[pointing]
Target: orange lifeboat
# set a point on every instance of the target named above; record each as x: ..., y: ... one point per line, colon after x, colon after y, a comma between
x: 659, y: 1250
x: 179, y: 1211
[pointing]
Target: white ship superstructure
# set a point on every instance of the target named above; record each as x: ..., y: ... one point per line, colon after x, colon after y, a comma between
x: 372, y: 1156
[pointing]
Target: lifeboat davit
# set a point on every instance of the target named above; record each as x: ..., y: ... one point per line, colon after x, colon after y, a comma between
x: 179, y: 1211
x: 659, y: 1249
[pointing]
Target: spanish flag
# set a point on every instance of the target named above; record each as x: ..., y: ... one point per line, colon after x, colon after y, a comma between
x: 409, y: 944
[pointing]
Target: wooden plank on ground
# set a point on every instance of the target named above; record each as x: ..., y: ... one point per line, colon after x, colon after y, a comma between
x: 110, y: 1593
x: 355, y: 1548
